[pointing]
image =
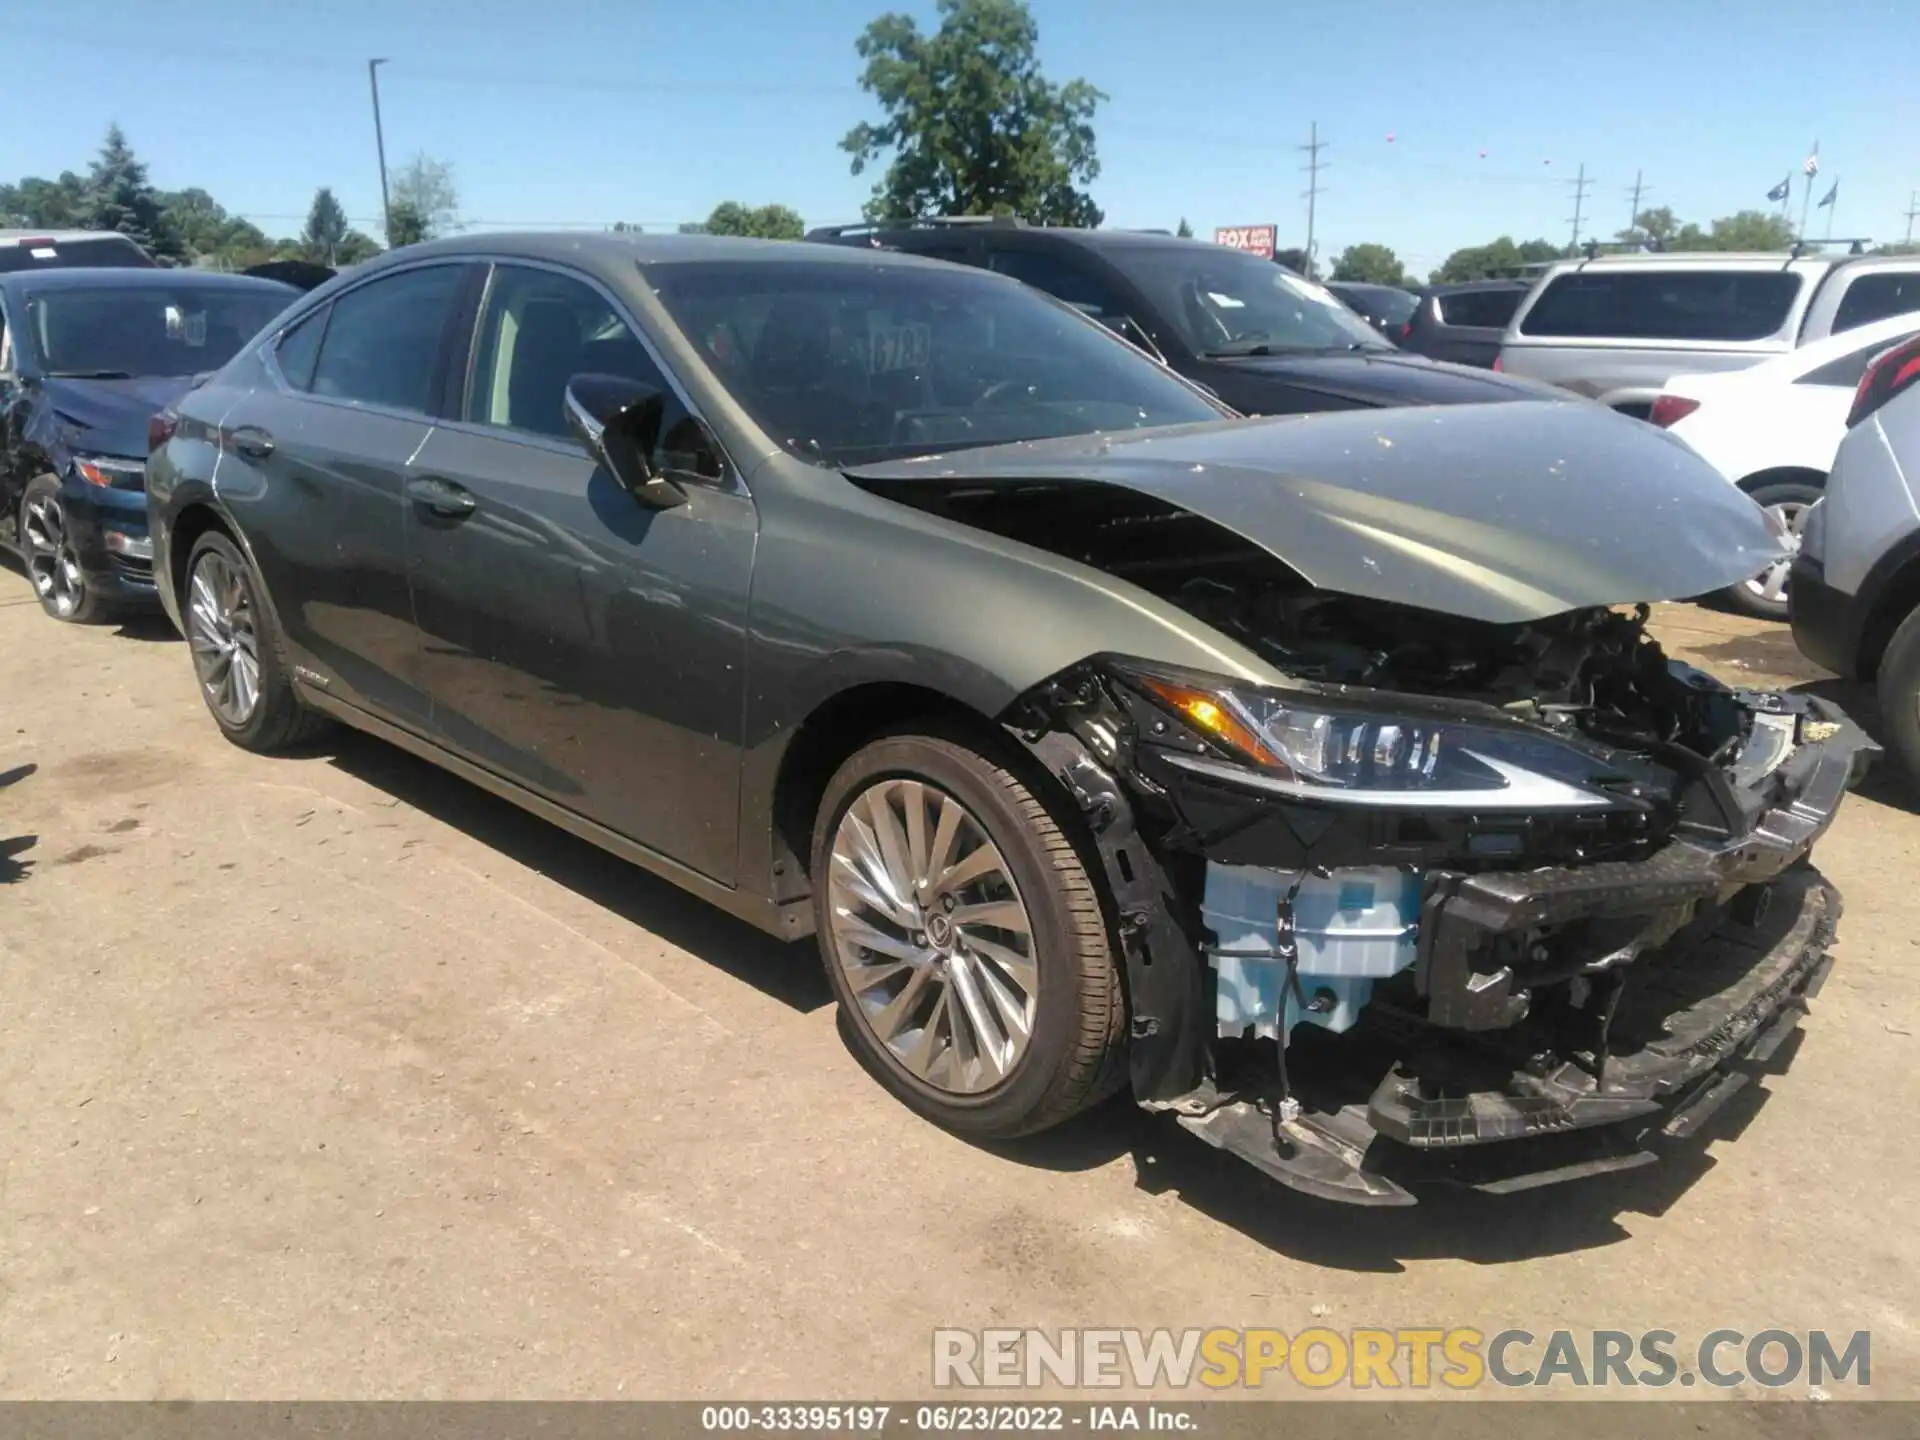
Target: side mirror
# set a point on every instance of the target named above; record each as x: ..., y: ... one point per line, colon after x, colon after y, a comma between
x: 619, y: 420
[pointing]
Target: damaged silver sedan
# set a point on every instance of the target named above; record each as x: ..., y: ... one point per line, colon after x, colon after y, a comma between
x: 1316, y: 778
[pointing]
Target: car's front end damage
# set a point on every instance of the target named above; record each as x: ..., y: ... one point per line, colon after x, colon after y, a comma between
x: 1465, y: 880
x: 1361, y: 986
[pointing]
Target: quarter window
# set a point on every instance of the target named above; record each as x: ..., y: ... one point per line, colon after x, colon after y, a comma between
x: 384, y: 338
x: 300, y: 347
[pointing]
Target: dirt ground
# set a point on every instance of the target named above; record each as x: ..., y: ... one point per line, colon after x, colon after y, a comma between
x: 333, y: 1077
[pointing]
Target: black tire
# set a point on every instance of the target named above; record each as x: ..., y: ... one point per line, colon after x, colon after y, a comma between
x: 1740, y: 597
x: 1900, y: 696
x: 1076, y: 1054
x: 67, y: 598
x: 277, y: 721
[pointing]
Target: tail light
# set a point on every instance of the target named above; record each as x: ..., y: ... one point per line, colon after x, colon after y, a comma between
x: 1500, y: 362
x: 160, y: 429
x: 1406, y: 329
x: 1669, y: 408
x: 1890, y: 372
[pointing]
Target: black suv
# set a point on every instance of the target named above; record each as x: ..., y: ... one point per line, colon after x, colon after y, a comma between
x: 1259, y: 336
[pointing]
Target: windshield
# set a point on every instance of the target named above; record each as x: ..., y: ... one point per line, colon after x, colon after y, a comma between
x: 851, y: 364
x: 112, y: 332
x: 1227, y: 302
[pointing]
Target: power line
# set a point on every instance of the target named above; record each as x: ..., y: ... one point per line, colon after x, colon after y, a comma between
x: 1580, y: 185
x: 1313, y: 167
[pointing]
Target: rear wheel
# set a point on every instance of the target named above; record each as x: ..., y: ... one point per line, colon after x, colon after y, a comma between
x: 1765, y: 595
x: 237, y: 653
x: 52, y: 564
x: 964, y: 939
x: 1900, y: 695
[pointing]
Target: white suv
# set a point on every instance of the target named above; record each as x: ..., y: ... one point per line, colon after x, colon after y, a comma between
x: 1617, y: 327
x: 1855, y: 593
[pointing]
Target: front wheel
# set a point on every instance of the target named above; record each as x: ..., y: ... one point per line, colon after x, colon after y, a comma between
x: 1900, y: 695
x: 236, y: 651
x: 1765, y: 595
x: 52, y: 563
x: 964, y: 939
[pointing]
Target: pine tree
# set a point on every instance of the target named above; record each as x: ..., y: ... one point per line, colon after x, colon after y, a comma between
x: 121, y: 198
x: 326, y: 228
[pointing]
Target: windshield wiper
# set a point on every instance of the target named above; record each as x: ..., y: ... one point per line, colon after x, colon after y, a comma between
x: 90, y: 375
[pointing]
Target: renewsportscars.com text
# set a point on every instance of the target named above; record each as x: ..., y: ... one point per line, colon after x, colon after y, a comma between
x: 1363, y: 1358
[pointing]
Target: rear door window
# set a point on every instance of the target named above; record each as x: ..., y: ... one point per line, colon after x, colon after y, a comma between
x: 1874, y: 297
x: 1723, y: 305
x: 1480, y: 309
x: 300, y: 347
x: 383, y: 342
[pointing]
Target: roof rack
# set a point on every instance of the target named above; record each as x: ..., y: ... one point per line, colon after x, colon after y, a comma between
x: 928, y: 222
x: 1856, y: 244
x: 1652, y: 245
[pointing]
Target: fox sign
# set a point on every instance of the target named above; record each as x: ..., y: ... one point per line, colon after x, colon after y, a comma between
x: 1255, y: 238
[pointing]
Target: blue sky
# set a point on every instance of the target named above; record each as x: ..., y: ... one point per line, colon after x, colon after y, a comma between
x: 592, y: 111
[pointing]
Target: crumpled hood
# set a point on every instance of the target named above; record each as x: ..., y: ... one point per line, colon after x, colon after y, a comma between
x: 112, y: 415
x: 1392, y: 377
x: 1504, y: 513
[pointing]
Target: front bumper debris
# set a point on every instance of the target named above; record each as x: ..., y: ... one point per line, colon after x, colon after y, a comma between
x: 1678, y: 973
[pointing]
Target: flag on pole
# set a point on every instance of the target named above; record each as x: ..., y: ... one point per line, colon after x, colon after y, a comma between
x: 1779, y: 192
x: 1828, y: 198
x: 1811, y: 165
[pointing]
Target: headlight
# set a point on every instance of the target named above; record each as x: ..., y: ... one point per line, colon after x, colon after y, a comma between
x: 1349, y: 755
x: 106, y: 471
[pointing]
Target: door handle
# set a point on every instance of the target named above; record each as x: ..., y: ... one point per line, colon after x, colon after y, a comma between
x: 441, y: 497
x: 251, y: 441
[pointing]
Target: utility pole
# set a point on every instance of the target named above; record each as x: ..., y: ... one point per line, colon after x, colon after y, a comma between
x: 380, y: 143
x: 1913, y: 209
x: 1633, y: 219
x: 1580, y: 185
x: 1313, y: 167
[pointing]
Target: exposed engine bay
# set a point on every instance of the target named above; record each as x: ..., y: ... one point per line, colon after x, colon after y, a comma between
x: 1468, y: 882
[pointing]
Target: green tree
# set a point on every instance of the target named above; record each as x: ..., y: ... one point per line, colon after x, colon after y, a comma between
x: 1751, y: 230
x: 768, y: 222
x: 426, y: 187
x: 120, y: 197
x: 1298, y: 261
x: 45, y: 204
x: 1656, y: 225
x: 326, y: 227
x: 972, y: 125
x: 1185, y: 231
x: 405, y: 225
x: 1371, y: 264
x: 355, y: 248
x: 1497, y: 257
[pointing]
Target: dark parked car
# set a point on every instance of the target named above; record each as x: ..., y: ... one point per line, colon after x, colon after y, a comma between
x: 1292, y: 773
x: 67, y: 249
x: 87, y: 357
x: 1387, y: 308
x: 1463, y: 322
x: 1259, y: 336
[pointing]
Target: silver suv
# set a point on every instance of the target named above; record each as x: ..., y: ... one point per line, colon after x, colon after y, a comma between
x: 1617, y: 327
x: 1855, y: 592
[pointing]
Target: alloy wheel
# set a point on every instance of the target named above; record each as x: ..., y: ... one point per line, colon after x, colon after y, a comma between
x: 1770, y: 584
x: 226, y: 647
x: 932, y: 937
x: 51, y: 563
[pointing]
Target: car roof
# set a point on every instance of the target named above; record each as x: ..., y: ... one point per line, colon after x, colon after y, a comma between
x: 106, y: 277
x: 1462, y: 287
x: 1372, y: 285
x: 626, y: 246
